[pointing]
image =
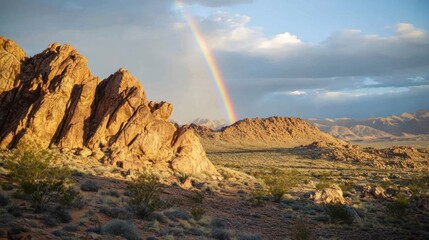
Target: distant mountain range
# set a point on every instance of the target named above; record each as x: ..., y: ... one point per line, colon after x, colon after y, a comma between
x: 212, y: 124
x: 406, y: 125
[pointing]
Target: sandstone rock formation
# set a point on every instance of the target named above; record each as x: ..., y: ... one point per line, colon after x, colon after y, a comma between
x: 264, y: 133
x: 52, y: 99
x: 330, y: 195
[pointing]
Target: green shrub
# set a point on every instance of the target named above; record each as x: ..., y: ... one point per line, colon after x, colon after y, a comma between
x: 257, y: 196
x: 144, y: 194
x: 301, y: 232
x: 39, y: 179
x: 197, y: 212
x: 182, y: 177
x: 89, y: 186
x: 197, y: 197
x: 347, y: 186
x: 398, y: 207
x: 121, y: 228
x: 220, y: 234
x: 419, y: 185
x: 339, y: 213
x: 281, y: 182
x: 176, y: 214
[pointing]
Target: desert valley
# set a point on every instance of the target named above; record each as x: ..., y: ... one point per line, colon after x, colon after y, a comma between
x: 84, y: 158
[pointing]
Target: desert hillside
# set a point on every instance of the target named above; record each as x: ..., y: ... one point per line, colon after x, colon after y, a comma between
x: 263, y: 133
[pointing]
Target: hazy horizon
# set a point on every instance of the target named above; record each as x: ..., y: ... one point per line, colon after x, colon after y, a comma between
x: 311, y: 59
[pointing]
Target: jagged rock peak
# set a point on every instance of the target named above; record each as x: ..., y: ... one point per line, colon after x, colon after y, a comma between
x: 13, y: 48
x: 52, y: 99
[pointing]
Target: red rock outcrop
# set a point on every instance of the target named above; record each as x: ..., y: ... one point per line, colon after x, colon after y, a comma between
x: 52, y: 99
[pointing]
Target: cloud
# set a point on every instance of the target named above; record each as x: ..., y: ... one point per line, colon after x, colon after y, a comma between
x: 277, y: 74
x: 297, y: 93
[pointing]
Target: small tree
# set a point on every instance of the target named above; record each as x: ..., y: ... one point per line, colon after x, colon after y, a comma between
x: 37, y: 177
x: 144, y: 192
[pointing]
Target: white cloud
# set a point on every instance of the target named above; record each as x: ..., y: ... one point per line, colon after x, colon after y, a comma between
x: 418, y: 79
x: 370, y: 82
x: 362, y: 92
x: 279, y: 41
x: 229, y: 32
x: 297, y: 93
x: 407, y: 30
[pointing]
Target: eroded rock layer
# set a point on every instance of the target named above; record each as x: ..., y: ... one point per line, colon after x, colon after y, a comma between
x: 52, y: 99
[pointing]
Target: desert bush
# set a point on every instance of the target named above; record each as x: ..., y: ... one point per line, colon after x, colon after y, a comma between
x: 257, y: 196
x: 339, y: 213
x: 39, y: 179
x: 61, y: 214
x: 248, y: 236
x: 175, y: 214
x: 281, y: 182
x: 144, y: 194
x: 220, y: 234
x: 115, y: 212
x: 89, y: 186
x: 197, y: 212
x: 112, y: 193
x: 347, y: 186
x: 398, y: 207
x: 121, y: 228
x: 301, y: 232
x: 182, y: 177
x: 218, y: 223
x: 158, y: 216
x: 419, y: 185
x: 4, y: 200
x: 197, y: 197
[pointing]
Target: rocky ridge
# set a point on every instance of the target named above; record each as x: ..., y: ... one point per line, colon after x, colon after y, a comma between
x: 406, y: 125
x: 264, y: 133
x: 53, y: 100
x: 396, y: 157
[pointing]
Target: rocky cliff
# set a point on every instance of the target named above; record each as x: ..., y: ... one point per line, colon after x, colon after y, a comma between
x: 52, y: 99
x: 263, y: 133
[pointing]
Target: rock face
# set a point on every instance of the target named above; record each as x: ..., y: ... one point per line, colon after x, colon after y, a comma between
x: 52, y: 99
x: 264, y: 133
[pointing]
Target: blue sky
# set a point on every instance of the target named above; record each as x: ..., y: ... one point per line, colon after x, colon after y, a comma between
x: 308, y: 59
x: 316, y: 20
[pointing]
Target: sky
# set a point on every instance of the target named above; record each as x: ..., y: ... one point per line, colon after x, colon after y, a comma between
x: 308, y: 59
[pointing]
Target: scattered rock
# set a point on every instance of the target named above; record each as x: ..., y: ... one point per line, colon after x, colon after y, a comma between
x: 378, y: 192
x: 332, y: 195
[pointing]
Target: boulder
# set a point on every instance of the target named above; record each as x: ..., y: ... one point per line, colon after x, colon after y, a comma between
x: 330, y: 195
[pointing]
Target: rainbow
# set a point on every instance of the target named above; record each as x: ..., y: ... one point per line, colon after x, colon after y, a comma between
x: 211, y: 63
